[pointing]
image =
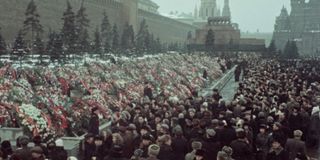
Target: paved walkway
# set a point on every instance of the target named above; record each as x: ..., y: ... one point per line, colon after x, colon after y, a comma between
x: 229, y: 90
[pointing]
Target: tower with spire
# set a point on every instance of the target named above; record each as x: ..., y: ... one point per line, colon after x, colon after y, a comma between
x: 226, y: 9
x: 207, y: 9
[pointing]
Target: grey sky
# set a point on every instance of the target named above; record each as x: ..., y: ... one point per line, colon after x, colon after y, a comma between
x: 249, y: 14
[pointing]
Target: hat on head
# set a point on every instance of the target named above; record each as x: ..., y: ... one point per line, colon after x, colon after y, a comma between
x: 147, y: 137
x: 138, y: 152
x: 37, y: 149
x: 196, y: 145
x: 211, y: 132
x: 132, y: 127
x: 297, y: 133
x: 192, y: 110
x: 227, y: 150
x: 23, y: 140
x: 59, y: 143
x: 72, y: 158
x: 153, y: 150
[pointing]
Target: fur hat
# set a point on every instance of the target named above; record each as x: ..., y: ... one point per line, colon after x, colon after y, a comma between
x: 196, y: 145
x: 211, y: 132
x: 59, y: 143
x: 37, y: 149
x: 72, y: 158
x: 153, y: 150
x: 24, y: 140
x: 297, y: 133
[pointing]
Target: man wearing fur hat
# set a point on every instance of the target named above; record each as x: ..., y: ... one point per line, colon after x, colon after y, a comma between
x: 196, y: 145
x: 211, y: 144
x: 241, y: 147
x: 295, y: 146
x: 23, y: 152
x: 153, y: 152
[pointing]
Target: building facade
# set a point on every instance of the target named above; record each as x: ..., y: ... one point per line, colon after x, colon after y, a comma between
x: 301, y: 25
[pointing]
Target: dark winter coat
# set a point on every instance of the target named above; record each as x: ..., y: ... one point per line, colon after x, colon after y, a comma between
x: 227, y: 135
x: 58, y: 153
x: 179, y: 147
x: 23, y: 153
x: 277, y: 155
x: 94, y: 124
x: 212, y: 146
x: 241, y: 150
x: 89, y: 150
x: 166, y: 153
x: 295, y: 146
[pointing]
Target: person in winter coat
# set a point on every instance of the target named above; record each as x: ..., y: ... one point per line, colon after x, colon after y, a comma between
x: 179, y: 145
x: 116, y: 153
x: 6, y: 149
x: 58, y: 152
x: 277, y: 152
x: 94, y: 122
x: 153, y: 152
x: 262, y: 143
x: 37, y: 153
x: 166, y: 152
x: 211, y: 144
x: 200, y: 155
x: 89, y: 147
x: 241, y: 147
x: 23, y: 152
x: 225, y: 154
x: 196, y: 145
x: 295, y: 146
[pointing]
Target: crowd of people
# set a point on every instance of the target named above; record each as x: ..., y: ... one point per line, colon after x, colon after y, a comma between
x: 275, y: 115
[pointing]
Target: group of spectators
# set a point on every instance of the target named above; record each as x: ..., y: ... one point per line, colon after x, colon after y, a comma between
x: 274, y: 115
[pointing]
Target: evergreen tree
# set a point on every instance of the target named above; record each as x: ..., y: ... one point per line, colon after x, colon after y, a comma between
x: 115, y: 38
x: 294, y: 50
x: 50, y: 43
x: 19, y: 46
x: 32, y: 22
x: 125, y: 37
x: 147, y: 41
x: 82, y: 24
x: 57, y: 50
x: 290, y: 50
x: 84, y: 41
x: 209, y: 41
x: 158, y: 45
x: 38, y: 46
x: 131, y: 37
x: 3, y: 46
x: 97, y: 42
x: 69, y: 30
x: 106, y: 32
x: 142, y: 36
x: 272, y: 48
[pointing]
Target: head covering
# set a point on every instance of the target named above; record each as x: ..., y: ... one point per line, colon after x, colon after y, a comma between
x: 138, y: 152
x: 227, y: 150
x: 153, y: 150
x: 211, y: 132
x: 297, y: 133
x: 72, y: 158
x: 37, y: 149
x: 23, y: 140
x: 59, y: 143
x: 196, y: 145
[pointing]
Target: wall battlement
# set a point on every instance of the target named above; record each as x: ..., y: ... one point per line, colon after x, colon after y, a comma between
x: 119, y: 12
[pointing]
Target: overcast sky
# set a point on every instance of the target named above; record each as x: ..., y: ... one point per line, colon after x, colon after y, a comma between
x: 249, y: 14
